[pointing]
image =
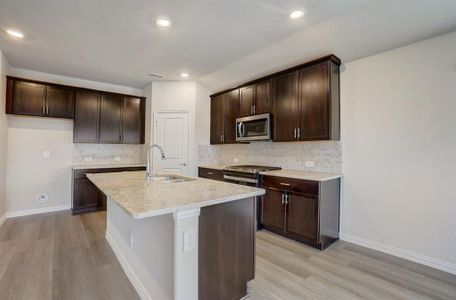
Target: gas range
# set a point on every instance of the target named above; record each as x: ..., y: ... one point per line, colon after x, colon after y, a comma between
x: 245, y: 174
x: 253, y: 169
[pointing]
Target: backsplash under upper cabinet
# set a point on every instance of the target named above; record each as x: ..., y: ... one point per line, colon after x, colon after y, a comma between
x: 99, y: 117
x: 100, y: 154
x: 303, y: 100
x: 325, y: 155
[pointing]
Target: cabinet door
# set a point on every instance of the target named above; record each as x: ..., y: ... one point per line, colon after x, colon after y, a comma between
x: 29, y: 98
x: 246, y: 101
x: 85, y: 195
x: 230, y: 112
x: 86, y: 117
x: 302, y: 216
x: 110, y: 118
x: 59, y: 102
x: 272, y: 209
x: 132, y: 120
x: 262, y: 98
x: 217, y: 119
x: 314, y: 99
x: 285, y: 107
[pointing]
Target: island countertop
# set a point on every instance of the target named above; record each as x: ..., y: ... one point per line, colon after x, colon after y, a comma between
x: 140, y: 199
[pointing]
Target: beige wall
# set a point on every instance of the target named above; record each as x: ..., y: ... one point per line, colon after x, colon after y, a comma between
x: 399, y: 147
x: 29, y: 137
x: 3, y: 135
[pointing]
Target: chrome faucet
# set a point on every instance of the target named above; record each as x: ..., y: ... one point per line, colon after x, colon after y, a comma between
x: 149, y: 168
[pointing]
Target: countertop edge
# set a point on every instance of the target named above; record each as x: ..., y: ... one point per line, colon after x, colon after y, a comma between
x: 330, y: 177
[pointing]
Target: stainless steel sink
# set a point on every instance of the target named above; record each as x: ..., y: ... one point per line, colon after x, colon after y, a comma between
x: 169, y: 178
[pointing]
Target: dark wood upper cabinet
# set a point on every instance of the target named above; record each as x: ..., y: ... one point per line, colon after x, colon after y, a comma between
x: 314, y: 94
x: 86, y: 116
x: 110, y: 118
x: 29, y: 98
x: 246, y: 101
x: 304, y: 101
x: 60, y: 102
x: 285, y: 107
x: 133, y: 120
x: 230, y: 112
x: 262, y: 98
x: 217, y: 119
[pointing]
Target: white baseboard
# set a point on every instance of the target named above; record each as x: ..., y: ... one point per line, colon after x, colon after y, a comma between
x: 20, y: 213
x: 2, y: 219
x: 405, y: 254
x: 134, y: 279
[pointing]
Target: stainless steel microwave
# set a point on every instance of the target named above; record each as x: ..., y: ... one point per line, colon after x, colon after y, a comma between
x: 253, y: 128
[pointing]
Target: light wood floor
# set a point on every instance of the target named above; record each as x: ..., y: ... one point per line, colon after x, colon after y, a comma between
x: 60, y: 256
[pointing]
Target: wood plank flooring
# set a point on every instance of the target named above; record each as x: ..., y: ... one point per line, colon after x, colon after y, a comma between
x: 61, y: 256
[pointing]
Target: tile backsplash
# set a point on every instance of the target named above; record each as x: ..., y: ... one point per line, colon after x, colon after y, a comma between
x: 325, y: 155
x: 108, y: 154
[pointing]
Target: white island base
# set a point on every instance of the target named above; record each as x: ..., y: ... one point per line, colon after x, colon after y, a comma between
x: 161, y: 265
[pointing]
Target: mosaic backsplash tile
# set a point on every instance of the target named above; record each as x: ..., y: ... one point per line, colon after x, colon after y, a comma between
x: 106, y: 154
x: 326, y: 155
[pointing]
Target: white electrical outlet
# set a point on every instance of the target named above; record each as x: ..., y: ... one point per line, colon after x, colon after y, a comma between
x: 131, y: 241
x: 309, y: 164
x: 189, y: 240
x: 235, y: 160
x: 117, y: 158
x: 88, y: 158
x: 46, y: 154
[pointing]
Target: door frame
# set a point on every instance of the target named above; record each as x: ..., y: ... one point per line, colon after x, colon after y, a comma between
x: 190, y: 138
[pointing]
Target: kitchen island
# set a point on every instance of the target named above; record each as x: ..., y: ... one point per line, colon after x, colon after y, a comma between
x: 181, y: 237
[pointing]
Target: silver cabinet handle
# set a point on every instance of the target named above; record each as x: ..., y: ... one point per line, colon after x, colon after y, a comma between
x: 286, y: 198
x: 295, y: 133
x: 210, y: 173
x: 283, y: 198
x: 285, y: 184
x: 254, y: 109
x: 44, y: 110
x: 47, y: 109
x: 299, y: 133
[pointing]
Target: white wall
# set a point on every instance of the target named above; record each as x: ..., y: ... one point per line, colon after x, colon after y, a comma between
x: 28, y: 137
x: 3, y: 135
x: 399, y: 151
x: 185, y: 96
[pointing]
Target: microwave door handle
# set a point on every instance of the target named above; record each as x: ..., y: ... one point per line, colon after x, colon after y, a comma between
x: 239, y: 129
x: 242, y: 129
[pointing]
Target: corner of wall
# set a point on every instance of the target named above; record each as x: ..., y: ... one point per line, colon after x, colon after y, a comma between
x: 4, y: 66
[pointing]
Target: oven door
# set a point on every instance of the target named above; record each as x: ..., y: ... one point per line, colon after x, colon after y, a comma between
x: 253, y: 128
x: 237, y: 178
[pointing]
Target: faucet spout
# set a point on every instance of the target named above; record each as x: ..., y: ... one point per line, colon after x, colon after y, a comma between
x: 149, y: 167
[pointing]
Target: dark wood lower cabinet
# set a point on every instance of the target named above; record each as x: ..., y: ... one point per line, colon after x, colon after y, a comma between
x: 210, y: 173
x: 272, y: 209
x: 86, y: 196
x: 311, y: 217
x: 226, y: 258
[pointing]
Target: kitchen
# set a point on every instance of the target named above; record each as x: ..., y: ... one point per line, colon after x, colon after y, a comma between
x: 272, y: 175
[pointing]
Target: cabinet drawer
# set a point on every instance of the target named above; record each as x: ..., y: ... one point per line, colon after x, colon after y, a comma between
x: 81, y: 173
x: 291, y: 184
x: 210, y: 173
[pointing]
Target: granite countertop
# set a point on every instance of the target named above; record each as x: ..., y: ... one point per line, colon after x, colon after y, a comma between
x: 131, y: 191
x: 106, y: 166
x: 300, y: 174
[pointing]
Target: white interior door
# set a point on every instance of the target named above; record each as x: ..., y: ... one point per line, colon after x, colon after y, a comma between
x: 171, y: 131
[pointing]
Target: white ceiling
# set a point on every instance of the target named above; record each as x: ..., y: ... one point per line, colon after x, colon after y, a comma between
x: 219, y: 42
x: 117, y: 41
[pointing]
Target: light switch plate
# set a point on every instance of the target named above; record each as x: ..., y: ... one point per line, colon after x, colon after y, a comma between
x: 309, y: 164
x: 88, y: 158
x: 235, y: 160
x: 117, y: 158
x: 46, y: 154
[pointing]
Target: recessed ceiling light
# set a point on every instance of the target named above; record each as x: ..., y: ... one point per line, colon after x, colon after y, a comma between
x: 15, y: 33
x: 185, y: 75
x: 296, y: 14
x: 162, y: 22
